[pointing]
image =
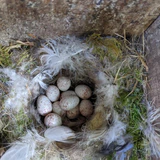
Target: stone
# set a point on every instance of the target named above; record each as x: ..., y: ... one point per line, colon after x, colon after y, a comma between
x: 52, y: 18
x: 152, y: 36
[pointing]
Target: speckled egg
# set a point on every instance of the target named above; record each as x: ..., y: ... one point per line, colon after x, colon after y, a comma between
x: 73, y: 113
x: 63, y: 83
x: 44, y: 105
x: 52, y: 120
x: 69, y: 102
x: 67, y: 93
x: 86, y: 108
x: 83, y: 91
x: 53, y: 93
x: 57, y: 109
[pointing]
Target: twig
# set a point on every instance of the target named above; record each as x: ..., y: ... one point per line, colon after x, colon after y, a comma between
x: 134, y: 87
x: 26, y: 43
x: 122, y: 37
x: 116, y: 77
x: 143, y: 42
x: 143, y: 62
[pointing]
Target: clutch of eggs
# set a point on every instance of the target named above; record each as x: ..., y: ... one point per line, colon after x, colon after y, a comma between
x: 62, y: 106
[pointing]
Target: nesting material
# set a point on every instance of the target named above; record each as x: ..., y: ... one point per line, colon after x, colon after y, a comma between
x: 25, y: 148
x: 152, y: 132
x: 97, y: 120
x: 75, y: 124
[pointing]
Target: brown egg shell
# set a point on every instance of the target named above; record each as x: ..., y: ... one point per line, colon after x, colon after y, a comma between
x: 52, y: 120
x: 83, y: 91
x: 73, y: 113
x: 86, y: 108
x: 57, y: 109
x: 67, y: 93
x: 63, y: 83
x: 53, y: 93
x: 69, y: 102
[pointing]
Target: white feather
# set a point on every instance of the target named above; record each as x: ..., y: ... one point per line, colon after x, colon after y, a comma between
x: 115, y: 131
x: 152, y: 132
x: 24, y: 149
x: 105, y: 90
x: 39, y: 79
x: 59, y: 54
x: 59, y: 133
x: 95, y: 135
x: 64, y: 53
x: 18, y: 95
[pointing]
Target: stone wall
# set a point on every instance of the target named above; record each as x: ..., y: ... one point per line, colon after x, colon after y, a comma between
x: 50, y: 18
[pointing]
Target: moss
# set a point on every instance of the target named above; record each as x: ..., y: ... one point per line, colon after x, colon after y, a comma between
x: 15, y: 125
x: 5, y: 56
x: 96, y: 121
x: 105, y: 47
x: 137, y: 112
x: 109, y: 157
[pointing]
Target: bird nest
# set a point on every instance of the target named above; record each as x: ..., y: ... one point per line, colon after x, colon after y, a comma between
x: 103, y: 64
x: 75, y: 60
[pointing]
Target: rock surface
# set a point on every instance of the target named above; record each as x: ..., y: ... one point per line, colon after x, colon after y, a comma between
x: 50, y: 18
x: 152, y: 36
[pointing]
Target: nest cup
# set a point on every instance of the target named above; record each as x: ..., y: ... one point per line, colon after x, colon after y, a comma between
x: 75, y: 81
